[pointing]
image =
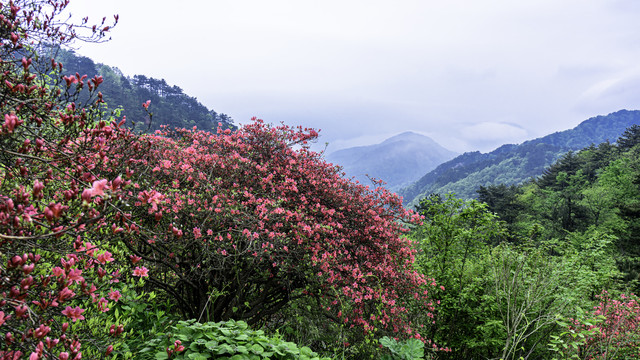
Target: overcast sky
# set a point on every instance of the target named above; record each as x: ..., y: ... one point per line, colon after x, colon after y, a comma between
x: 470, y: 74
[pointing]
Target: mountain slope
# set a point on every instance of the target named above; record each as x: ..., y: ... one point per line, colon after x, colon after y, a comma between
x: 398, y: 160
x: 169, y: 105
x: 514, y: 164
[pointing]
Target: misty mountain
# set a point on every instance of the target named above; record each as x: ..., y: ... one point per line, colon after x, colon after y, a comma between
x: 514, y: 164
x: 398, y: 161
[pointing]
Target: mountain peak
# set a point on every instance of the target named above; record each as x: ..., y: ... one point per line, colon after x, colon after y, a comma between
x: 398, y: 160
x: 408, y: 136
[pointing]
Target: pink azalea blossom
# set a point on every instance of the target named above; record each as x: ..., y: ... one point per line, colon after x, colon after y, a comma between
x: 42, y: 331
x: 102, y: 304
x: 57, y: 271
x: 98, y: 187
x: 115, y: 295
x: 73, y: 313
x: 140, y: 271
x: 74, y: 275
x: 105, y: 257
x: 3, y: 318
x: 65, y: 294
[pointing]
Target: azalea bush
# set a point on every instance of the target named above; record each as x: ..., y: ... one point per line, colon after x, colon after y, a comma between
x: 236, y: 225
x: 610, y: 331
x: 54, y: 271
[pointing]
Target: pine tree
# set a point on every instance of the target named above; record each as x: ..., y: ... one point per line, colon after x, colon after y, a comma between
x: 629, y: 138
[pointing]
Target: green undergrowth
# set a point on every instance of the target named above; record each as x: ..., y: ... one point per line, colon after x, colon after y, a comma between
x: 232, y: 340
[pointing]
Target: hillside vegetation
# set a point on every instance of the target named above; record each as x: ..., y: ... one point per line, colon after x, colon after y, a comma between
x: 123, y: 244
x: 524, y: 265
x: 171, y: 106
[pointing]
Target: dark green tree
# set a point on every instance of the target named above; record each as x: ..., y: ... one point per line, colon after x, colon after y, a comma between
x: 502, y: 200
x: 630, y: 138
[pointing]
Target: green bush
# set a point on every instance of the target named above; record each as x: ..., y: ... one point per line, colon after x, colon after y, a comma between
x: 410, y: 349
x: 144, y: 316
x: 232, y: 340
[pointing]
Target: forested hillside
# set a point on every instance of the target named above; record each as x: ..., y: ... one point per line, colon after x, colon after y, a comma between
x: 514, y: 164
x: 596, y: 189
x: 541, y: 270
x: 170, y: 105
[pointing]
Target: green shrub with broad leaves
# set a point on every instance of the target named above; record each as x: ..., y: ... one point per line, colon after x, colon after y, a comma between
x: 232, y: 340
x: 410, y: 349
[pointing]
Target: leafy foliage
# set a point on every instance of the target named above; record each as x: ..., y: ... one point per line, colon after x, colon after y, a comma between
x: 410, y: 349
x: 453, y: 241
x: 501, y: 292
x: 570, y: 235
x: 232, y: 340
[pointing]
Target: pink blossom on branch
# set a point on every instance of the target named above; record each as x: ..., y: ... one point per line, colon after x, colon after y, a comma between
x: 74, y: 314
x: 114, y: 295
x: 135, y: 259
x: 141, y: 271
x: 105, y: 257
x: 41, y: 202
x: 98, y: 187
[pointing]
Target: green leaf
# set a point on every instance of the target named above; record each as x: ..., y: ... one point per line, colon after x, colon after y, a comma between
x: 225, y: 349
x: 211, y: 344
x: 199, y: 356
x: 388, y: 342
x: 242, y: 337
x: 257, y: 349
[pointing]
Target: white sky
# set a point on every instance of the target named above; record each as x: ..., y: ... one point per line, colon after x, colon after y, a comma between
x: 472, y: 74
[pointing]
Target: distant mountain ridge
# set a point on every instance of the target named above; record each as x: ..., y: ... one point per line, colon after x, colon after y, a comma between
x: 514, y: 164
x: 398, y: 160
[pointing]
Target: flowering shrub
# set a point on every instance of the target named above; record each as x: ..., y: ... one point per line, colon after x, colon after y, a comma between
x: 50, y: 264
x: 235, y: 225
